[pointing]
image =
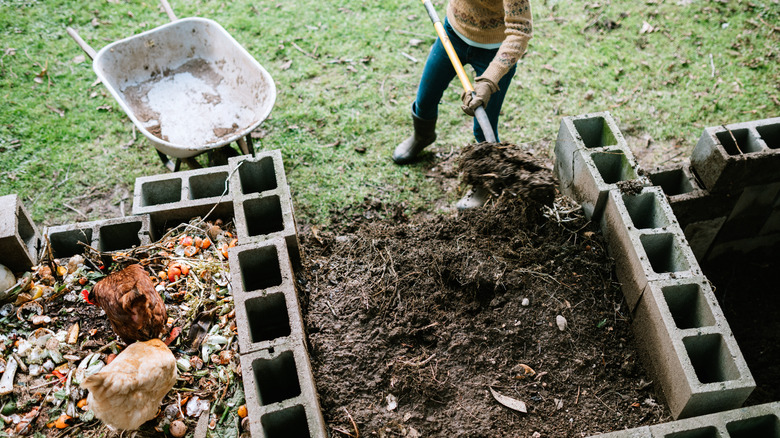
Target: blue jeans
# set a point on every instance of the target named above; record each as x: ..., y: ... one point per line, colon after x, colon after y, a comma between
x: 438, y: 73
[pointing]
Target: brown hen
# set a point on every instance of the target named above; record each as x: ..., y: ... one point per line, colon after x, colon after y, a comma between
x: 134, y: 308
x: 127, y: 392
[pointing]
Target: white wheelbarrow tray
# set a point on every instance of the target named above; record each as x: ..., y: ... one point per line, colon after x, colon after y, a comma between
x: 188, y: 81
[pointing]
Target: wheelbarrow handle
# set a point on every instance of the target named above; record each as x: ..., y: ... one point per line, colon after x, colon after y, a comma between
x: 168, y: 10
x: 83, y: 44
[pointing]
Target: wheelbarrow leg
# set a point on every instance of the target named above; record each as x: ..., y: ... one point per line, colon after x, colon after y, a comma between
x: 246, y: 145
x: 172, y: 166
x: 192, y: 163
x: 250, y: 143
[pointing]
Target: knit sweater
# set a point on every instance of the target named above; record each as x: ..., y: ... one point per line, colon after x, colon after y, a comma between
x: 508, y: 22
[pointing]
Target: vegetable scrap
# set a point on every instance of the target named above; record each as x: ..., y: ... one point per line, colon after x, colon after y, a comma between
x: 55, y: 336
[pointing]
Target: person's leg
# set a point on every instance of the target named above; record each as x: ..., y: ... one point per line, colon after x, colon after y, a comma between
x: 436, y: 77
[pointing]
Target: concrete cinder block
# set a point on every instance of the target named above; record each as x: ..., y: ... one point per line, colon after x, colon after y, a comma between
x: 266, y: 303
x: 772, y: 225
x: 646, y: 241
x: 592, y: 157
x: 172, y: 198
x: 587, y: 131
x: 689, y: 200
x: 760, y: 421
x: 689, y: 348
x: 702, y: 234
x: 737, y: 248
x: 728, y: 158
x: 262, y: 203
x: 750, y: 213
x: 637, y: 432
x: 281, y: 397
x: 105, y: 236
x: 19, y: 237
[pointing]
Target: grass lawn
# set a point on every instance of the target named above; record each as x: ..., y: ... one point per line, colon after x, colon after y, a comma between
x: 346, y: 74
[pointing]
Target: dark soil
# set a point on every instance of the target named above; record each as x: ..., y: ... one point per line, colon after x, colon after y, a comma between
x: 504, y: 167
x: 412, y: 320
x: 748, y: 294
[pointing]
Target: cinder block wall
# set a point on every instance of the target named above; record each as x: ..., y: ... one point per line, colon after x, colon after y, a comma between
x: 688, y: 345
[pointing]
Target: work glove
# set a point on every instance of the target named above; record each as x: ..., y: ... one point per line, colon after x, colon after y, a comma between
x: 483, y: 89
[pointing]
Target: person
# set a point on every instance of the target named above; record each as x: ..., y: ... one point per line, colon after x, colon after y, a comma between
x: 491, y: 36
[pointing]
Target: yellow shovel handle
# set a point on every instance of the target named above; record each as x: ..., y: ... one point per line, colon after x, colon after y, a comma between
x: 479, y: 112
x: 445, y: 40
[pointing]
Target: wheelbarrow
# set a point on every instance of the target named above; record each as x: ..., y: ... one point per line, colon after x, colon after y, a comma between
x: 188, y: 86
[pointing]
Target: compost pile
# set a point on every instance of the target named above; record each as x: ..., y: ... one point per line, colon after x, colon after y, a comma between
x: 505, y: 167
x: 59, y: 339
x: 448, y: 326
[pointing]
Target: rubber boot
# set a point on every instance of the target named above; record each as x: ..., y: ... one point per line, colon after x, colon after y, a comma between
x: 424, y: 134
x: 474, y: 197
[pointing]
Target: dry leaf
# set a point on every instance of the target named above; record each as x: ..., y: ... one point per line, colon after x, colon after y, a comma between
x: 286, y: 65
x: 646, y: 28
x: 509, y: 402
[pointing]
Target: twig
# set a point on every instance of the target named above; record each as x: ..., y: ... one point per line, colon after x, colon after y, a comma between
x: 76, y: 210
x: 417, y: 364
x: 351, y: 420
x: 734, y: 139
x: 332, y: 310
x: 106, y: 347
x: 602, y: 402
x: 297, y: 47
x: 410, y: 57
x: 712, y: 66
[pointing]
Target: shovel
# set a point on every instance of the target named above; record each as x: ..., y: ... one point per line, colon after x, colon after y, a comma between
x: 479, y: 113
x: 475, y: 196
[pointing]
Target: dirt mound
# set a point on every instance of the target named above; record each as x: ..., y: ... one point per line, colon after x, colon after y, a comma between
x: 411, y: 322
x: 505, y: 167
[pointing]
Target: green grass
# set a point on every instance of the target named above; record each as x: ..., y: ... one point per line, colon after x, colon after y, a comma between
x: 343, y: 79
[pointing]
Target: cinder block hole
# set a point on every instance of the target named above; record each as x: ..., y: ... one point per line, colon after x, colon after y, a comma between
x: 25, y: 229
x: 287, y: 423
x: 160, y: 192
x: 119, y: 236
x: 770, y: 134
x: 66, y: 243
x: 767, y: 426
x: 595, y: 132
x: 613, y: 167
x: 711, y: 358
x: 672, y: 182
x: 257, y: 176
x: 209, y: 185
x: 664, y: 253
x: 702, y: 432
x: 744, y: 144
x: 268, y: 317
x: 646, y: 210
x: 276, y: 379
x: 263, y: 215
x: 260, y: 268
x: 688, y: 306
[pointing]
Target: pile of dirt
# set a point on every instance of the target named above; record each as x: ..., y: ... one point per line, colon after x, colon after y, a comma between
x: 413, y: 323
x: 505, y: 167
